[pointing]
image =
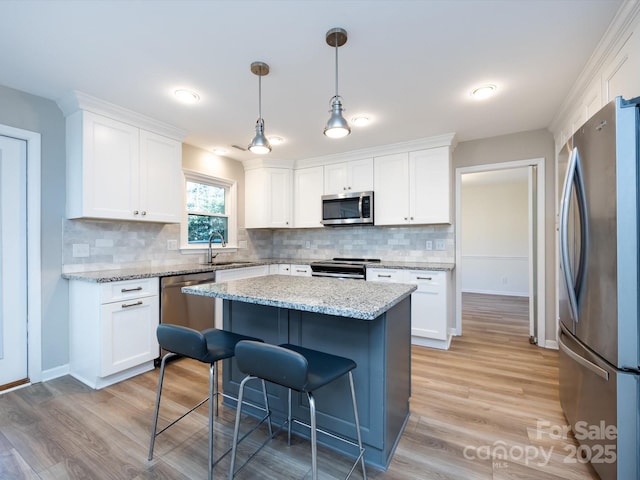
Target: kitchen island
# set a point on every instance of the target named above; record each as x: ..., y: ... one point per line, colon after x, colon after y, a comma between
x: 368, y: 322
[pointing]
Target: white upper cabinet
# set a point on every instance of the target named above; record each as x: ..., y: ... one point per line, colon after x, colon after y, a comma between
x: 352, y: 176
x: 430, y: 186
x: 307, y: 194
x: 268, y: 198
x: 391, y: 189
x: 413, y: 187
x: 118, y: 171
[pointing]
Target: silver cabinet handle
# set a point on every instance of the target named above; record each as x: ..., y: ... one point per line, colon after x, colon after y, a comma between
x: 135, y: 212
x: 301, y: 271
x: 144, y: 212
x: 128, y: 305
x: 424, y: 278
x: 125, y: 290
x: 384, y: 276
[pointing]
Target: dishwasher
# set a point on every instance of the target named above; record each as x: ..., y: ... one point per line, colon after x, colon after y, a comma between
x: 177, y: 308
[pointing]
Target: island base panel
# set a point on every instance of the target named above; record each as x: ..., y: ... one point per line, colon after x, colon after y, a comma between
x: 380, y: 347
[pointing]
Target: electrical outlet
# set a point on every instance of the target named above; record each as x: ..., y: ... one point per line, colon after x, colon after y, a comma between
x: 307, y: 244
x: 441, y: 245
x: 81, y: 250
x: 505, y: 280
x: 429, y: 245
x: 172, y: 245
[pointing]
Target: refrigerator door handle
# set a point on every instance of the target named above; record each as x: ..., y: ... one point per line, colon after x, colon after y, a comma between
x: 573, y: 178
x: 601, y: 372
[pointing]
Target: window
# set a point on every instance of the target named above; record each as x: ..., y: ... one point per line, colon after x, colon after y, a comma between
x: 210, y: 209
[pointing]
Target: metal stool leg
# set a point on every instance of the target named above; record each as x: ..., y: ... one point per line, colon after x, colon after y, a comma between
x: 357, y: 418
x: 289, y: 420
x: 157, y: 410
x: 212, y: 389
x: 314, y: 437
x: 236, y: 429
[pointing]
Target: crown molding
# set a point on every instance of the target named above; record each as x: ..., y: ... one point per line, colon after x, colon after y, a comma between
x: 75, y: 100
x: 618, y: 32
x: 445, y: 140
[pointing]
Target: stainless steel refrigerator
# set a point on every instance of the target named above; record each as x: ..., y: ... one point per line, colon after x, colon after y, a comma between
x: 599, y: 281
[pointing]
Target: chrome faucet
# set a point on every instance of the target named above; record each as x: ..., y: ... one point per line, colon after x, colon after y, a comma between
x: 210, y: 255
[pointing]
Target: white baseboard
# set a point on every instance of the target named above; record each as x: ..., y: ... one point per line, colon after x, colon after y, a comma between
x: 551, y: 344
x: 55, y: 372
x: 496, y: 292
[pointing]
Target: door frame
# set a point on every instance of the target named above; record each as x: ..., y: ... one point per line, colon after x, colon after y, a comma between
x: 540, y: 221
x: 34, y: 273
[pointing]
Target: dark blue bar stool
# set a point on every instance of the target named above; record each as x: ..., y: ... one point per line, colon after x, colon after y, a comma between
x: 300, y: 369
x: 209, y: 346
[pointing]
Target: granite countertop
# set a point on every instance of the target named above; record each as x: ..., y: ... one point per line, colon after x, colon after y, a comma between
x: 330, y: 296
x: 133, y: 273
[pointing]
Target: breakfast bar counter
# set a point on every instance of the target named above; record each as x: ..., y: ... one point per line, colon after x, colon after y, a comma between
x: 368, y: 322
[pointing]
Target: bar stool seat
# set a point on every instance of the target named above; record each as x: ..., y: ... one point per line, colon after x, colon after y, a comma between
x: 300, y: 369
x: 206, y: 346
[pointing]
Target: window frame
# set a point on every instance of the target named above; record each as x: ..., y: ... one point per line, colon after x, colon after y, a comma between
x: 231, y: 202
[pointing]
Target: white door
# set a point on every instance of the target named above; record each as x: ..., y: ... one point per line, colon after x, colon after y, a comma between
x: 13, y: 262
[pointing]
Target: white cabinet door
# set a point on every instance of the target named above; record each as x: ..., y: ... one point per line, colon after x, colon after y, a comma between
x: 268, y: 198
x: 307, y: 197
x: 335, y: 178
x: 160, y: 173
x: 360, y: 175
x: 391, y: 189
x: 354, y: 176
x: 429, y: 186
x: 128, y: 334
x: 103, y: 174
x: 429, y: 304
x: 284, y: 269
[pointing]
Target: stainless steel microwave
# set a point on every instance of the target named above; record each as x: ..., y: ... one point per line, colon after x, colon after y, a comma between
x: 352, y: 208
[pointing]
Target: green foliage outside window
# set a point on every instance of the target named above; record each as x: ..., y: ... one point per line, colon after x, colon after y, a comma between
x: 206, y: 212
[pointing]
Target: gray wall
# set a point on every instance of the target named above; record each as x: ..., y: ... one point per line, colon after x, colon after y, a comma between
x: 522, y: 146
x: 36, y: 114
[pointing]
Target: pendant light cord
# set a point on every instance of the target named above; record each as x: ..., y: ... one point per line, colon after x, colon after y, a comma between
x: 336, y: 64
x: 260, y: 97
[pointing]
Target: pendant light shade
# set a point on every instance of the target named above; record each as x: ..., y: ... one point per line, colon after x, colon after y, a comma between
x: 337, y: 126
x: 260, y: 144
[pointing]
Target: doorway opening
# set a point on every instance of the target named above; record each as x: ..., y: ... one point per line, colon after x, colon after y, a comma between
x: 33, y: 272
x: 501, y: 251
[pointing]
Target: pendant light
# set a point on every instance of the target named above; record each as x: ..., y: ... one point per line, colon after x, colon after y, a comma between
x: 337, y: 126
x: 260, y: 144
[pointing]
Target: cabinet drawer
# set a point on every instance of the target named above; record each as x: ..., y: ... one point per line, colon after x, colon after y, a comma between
x: 128, y: 289
x: 426, y: 278
x: 301, y: 270
x: 385, y: 275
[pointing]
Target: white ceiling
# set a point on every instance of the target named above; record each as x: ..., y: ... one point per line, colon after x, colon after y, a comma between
x: 409, y: 64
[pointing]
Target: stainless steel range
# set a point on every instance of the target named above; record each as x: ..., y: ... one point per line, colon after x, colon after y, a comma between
x: 342, y: 267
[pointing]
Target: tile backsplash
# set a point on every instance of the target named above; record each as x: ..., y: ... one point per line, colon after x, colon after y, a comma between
x: 112, y: 244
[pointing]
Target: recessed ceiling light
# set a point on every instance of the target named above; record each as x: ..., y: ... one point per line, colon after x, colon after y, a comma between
x: 275, y: 140
x: 483, y: 91
x: 186, y: 96
x: 360, y: 120
x: 219, y: 151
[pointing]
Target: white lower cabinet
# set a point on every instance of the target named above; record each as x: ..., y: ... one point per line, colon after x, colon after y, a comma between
x: 296, y: 270
x: 112, y: 329
x: 430, y: 303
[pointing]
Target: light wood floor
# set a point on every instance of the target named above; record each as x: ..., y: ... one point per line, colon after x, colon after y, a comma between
x: 489, y: 390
